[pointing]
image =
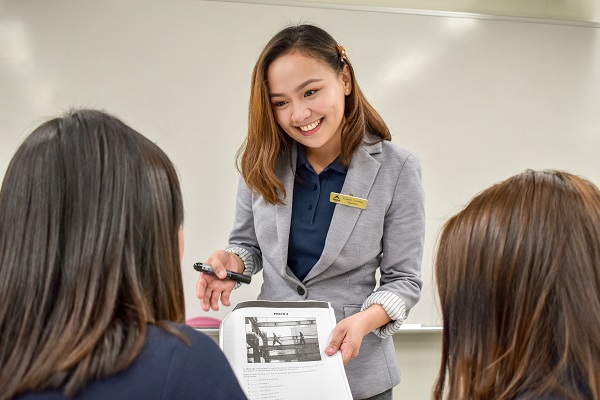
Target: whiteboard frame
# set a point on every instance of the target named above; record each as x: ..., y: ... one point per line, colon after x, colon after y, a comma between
x: 400, y: 10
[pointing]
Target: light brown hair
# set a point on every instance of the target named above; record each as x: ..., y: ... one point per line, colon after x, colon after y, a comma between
x: 90, y: 212
x: 266, y: 143
x: 518, y: 275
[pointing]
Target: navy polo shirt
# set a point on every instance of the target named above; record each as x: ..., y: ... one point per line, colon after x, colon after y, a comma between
x: 311, y: 212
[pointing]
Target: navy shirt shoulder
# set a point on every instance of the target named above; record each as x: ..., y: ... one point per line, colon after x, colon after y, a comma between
x: 167, y: 368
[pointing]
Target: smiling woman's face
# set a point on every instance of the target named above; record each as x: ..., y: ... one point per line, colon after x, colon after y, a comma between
x: 308, y: 99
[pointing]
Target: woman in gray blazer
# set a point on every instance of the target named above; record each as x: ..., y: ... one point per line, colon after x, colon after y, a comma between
x: 324, y: 200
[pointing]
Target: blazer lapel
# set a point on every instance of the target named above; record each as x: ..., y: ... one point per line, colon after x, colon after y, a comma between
x: 359, y: 180
x: 283, y: 212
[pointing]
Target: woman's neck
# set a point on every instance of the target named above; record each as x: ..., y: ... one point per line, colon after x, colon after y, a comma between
x: 319, y: 161
x: 319, y: 158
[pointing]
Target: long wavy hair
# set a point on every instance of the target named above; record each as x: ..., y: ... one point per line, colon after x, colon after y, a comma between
x: 266, y: 143
x: 518, y: 274
x: 90, y: 212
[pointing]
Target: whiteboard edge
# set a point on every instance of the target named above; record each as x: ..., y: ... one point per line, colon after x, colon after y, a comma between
x: 431, y: 13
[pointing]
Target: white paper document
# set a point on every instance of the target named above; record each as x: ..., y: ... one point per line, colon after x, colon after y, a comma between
x: 277, y: 350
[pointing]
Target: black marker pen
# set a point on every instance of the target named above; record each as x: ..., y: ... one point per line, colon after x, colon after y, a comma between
x: 234, y: 276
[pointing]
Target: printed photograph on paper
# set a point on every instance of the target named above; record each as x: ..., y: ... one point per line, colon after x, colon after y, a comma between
x: 281, y: 339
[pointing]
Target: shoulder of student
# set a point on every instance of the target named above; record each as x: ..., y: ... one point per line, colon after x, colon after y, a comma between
x: 199, y: 367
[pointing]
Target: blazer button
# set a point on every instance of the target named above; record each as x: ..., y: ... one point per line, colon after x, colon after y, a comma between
x: 301, y: 291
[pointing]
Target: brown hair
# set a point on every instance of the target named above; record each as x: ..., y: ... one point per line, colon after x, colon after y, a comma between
x: 518, y: 274
x: 266, y: 143
x: 90, y: 212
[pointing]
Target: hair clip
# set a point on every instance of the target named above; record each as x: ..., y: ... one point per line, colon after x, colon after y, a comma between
x: 342, y: 52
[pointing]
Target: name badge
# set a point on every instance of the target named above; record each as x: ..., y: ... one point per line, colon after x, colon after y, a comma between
x: 348, y: 200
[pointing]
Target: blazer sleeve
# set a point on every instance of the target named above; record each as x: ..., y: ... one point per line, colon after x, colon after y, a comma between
x: 243, y: 234
x: 403, y: 240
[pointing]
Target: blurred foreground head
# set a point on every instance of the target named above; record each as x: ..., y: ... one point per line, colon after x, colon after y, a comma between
x: 518, y: 274
x: 90, y: 212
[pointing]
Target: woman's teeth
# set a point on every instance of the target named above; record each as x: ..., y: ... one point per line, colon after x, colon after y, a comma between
x: 310, y: 127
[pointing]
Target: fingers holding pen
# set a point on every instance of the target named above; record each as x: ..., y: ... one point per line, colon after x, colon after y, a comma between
x: 218, y: 261
x: 223, y: 261
x: 210, y: 289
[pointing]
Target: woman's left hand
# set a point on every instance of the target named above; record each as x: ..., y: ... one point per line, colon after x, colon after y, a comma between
x: 348, y: 334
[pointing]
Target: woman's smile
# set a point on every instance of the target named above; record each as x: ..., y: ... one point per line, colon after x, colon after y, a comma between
x: 310, y: 129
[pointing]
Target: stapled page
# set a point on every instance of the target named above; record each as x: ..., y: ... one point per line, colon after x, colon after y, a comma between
x: 277, y: 350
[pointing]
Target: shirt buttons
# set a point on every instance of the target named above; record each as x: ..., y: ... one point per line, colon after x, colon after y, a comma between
x: 301, y: 290
x: 315, y: 187
x: 310, y: 207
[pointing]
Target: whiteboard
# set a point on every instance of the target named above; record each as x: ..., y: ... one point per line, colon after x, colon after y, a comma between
x: 478, y: 99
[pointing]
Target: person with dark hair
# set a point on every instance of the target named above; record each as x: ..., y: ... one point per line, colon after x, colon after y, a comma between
x: 518, y: 277
x: 91, y: 295
x: 324, y: 201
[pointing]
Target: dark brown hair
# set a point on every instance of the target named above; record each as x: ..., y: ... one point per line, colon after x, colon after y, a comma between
x: 90, y: 212
x: 266, y: 143
x: 518, y: 274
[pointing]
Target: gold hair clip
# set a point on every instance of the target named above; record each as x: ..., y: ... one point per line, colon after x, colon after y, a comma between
x: 342, y: 52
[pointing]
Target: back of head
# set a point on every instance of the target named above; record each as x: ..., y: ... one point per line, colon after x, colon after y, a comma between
x: 518, y: 274
x: 89, y: 217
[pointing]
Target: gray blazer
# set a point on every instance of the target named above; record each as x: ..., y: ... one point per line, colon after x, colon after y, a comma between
x: 388, y: 234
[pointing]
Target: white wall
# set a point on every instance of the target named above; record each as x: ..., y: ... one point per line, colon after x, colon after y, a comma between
x: 419, y: 356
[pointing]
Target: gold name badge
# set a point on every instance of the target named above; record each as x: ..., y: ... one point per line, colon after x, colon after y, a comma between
x: 348, y: 200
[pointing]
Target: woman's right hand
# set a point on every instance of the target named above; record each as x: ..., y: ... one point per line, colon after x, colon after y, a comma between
x: 210, y: 289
